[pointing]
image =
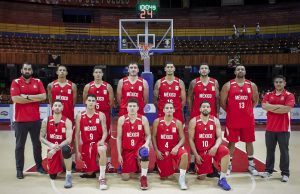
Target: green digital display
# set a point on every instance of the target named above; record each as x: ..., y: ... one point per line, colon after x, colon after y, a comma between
x: 146, y: 11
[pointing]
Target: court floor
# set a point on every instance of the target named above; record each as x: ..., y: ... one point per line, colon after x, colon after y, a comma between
x: 35, y: 183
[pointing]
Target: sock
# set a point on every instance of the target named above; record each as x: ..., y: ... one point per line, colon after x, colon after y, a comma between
x: 192, y: 158
x: 144, y: 171
x: 222, y: 175
x: 68, y: 172
x: 102, y: 172
x: 182, y: 172
x: 108, y: 159
x: 251, y: 161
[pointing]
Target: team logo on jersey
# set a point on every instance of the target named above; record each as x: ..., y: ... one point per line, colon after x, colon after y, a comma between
x: 34, y: 86
x: 139, y: 127
x: 213, y: 88
x: 177, y: 88
x: 166, y: 153
x: 248, y: 90
x: 63, y: 130
x: 241, y: 90
x: 97, y: 121
x: 140, y: 88
x: 173, y: 129
x: 211, y: 127
x: 69, y: 91
x: 282, y: 98
x: 104, y: 91
x: 204, y: 89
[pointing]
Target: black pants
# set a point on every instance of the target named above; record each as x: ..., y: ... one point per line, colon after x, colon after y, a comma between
x: 21, y: 132
x: 271, y: 142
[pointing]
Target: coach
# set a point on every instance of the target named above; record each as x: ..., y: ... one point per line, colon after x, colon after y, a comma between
x: 26, y: 93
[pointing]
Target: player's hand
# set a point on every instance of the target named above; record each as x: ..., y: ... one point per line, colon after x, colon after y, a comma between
x: 213, y: 151
x: 120, y: 159
x: 159, y: 155
x: 51, y: 153
x: 78, y: 156
x: 198, y: 159
x: 146, y: 146
x: 100, y: 143
x: 174, y: 150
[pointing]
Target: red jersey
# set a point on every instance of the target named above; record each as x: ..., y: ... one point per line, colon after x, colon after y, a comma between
x: 279, y: 122
x: 239, y: 110
x: 204, y: 92
x: 102, y: 95
x: 205, y: 134
x: 167, y: 135
x: 90, y: 128
x: 56, y: 132
x: 30, y: 111
x: 169, y: 93
x: 65, y: 94
x: 135, y: 90
x: 133, y: 134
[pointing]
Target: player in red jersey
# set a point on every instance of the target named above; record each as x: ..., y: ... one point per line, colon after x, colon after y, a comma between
x: 170, y: 89
x: 91, y: 128
x: 105, y: 100
x: 132, y: 86
x: 133, y: 138
x: 56, y: 134
x: 205, y: 137
x: 238, y: 98
x: 278, y: 105
x: 168, y: 140
x: 200, y: 89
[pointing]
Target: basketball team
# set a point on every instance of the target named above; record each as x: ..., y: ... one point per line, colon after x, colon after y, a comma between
x: 84, y: 137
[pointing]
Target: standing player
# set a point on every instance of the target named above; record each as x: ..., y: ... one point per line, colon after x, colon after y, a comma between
x: 91, y: 127
x: 278, y: 105
x: 56, y: 134
x: 205, y: 137
x: 170, y: 89
x: 200, y: 89
x: 238, y: 98
x: 105, y: 99
x: 132, y: 86
x: 168, y: 140
x: 133, y: 138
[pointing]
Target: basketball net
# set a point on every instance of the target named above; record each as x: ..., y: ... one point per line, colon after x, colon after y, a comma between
x: 144, y: 50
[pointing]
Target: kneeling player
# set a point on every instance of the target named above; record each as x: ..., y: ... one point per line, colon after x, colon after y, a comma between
x: 205, y: 139
x: 56, y: 133
x: 133, y: 138
x: 168, y: 140
x: 91, y: 127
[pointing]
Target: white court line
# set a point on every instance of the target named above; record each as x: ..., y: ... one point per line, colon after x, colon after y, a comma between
x: 56, y: 191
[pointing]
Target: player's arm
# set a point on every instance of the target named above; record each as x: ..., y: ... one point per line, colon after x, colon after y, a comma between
x: 110, y: 95
x: 224, y: 96
x: 43, y: 134
x: 182, y: 93
x: 49, y: 92
x: 146, y: 92
x: 119, y: 135
x: 214, y: 149
x: 154, y: 134
x: 147, y: 131
x: 279, y: 108
x: 255, y: 95
x: 74, y: 89
x: 104, y: 128
x: 38, y: 97
x: 69, y: 132
x: 156, y: 93
x: 190, y: 98
x: 85, y: 92
x: 217, y: 97
x: 192, y: 125
x: 119, y: 91
x: 181, y: 136
x: 77, y: 134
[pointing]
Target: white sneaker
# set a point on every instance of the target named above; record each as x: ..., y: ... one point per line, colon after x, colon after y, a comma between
x: 229, y: 169
x: 182, y: 183
x: 284, y: 179
x: 102, y: 183
x: 265, y: 174
x: 253, y: 170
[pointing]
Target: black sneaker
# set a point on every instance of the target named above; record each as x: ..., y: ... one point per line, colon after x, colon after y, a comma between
x: 155, y: 169
x: 88, y: 176
x: 73, y: 167
x: 20, y: 174
x: 41, y: 170
x: 191, y: 169
x: 215, y: 173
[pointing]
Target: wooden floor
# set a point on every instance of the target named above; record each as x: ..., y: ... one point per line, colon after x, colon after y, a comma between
x: 241, y: 183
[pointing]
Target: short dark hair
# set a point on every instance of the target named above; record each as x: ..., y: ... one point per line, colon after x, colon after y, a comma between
x: 203, y: 63
x: 57, y: 100
x: 97, y: 67
x: 61, y: 66
x: 91, y: 95
x: 169, y: 62
x: 204, y: 101
x: 133, y: 63
x: 279, y: 76
x: 132, y: 100
x: 26, y: 63
x: 168, y: 103
x: 239, y: 65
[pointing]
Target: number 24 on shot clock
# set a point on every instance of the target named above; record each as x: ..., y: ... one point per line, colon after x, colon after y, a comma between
x: 146, y: 11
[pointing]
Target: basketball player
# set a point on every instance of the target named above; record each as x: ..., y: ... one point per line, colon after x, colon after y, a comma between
x: 168, y: 140
x: 105, y: 100
x: 91, y: 127
x: 200, y: 89
x: 170, y: 89
x: 205, y: 139
x: 238, y: 98
x: 56, y: 134
x: 133, y: 138
x: 132, y: 86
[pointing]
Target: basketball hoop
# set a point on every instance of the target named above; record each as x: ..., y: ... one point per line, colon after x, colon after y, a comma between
x: 144, y: 50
